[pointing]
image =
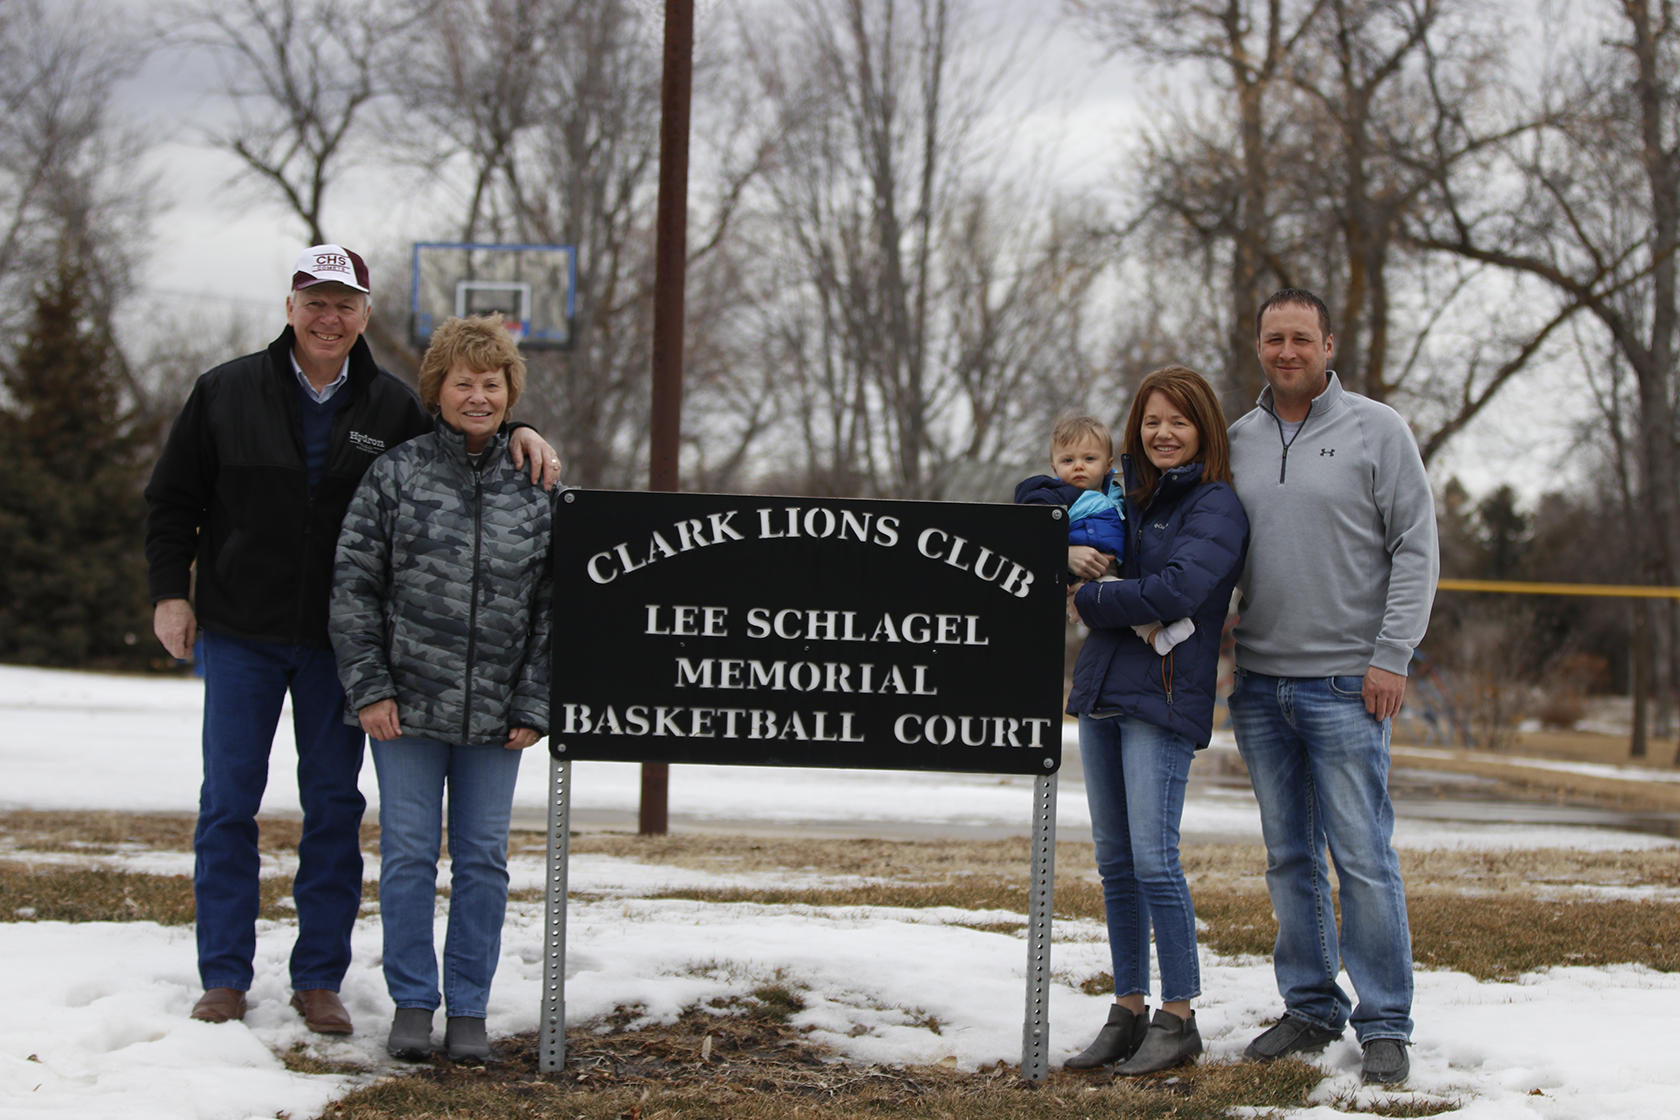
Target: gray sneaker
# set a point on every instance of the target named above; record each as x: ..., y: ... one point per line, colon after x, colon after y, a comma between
x: 1287, y: 1036
x: 1386, y: 1062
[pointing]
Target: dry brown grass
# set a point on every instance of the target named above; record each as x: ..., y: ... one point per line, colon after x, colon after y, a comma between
x: 35, y: 889
x: 96, y: 833
x: 1589, y: 746
x: 753, y: 1066
x: 55, y: 893
x: 1504, y: 763
x: 928, y: 860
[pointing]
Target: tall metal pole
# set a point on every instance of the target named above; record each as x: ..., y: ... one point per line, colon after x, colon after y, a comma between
x: 670, y: 263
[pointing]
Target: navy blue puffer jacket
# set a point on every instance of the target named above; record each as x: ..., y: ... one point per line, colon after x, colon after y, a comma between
x: 1183, y: 556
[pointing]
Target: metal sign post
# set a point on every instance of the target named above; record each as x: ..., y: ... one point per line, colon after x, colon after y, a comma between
x: 551, y: 1046
x: 1035, y: 1033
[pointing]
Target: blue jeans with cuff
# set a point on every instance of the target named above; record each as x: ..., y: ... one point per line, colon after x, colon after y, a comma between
x: 1135, y: 774
x: 245, y: 685
x: 413, y: 776
x: 1319, y: 763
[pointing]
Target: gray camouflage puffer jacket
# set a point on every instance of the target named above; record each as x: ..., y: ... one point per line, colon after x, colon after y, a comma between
x: 441, y: 592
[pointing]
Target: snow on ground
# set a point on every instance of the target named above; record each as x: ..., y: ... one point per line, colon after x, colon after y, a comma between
x: 97, y: 1026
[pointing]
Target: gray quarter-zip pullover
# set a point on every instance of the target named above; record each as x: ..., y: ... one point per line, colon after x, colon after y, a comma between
x: 1342, y: 558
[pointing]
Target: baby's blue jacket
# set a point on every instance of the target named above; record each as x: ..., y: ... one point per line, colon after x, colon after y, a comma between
x: 1095, y: 517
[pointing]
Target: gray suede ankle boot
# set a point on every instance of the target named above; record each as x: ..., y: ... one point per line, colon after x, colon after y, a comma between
x: 1117, y: 1041
x: 411, y: 1035
x: 465, y: 1039
x: 1171, y: 1041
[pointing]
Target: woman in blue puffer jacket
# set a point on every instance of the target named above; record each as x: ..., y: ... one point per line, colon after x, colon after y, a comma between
x: 1142, y: 716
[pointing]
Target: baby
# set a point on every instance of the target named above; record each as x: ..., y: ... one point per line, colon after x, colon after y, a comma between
x: 1082, y: 453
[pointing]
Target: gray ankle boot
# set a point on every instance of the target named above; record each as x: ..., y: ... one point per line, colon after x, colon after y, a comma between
x: 465, y: 1039
x: 1117, y: 1041
x: 1171, y: 1041
x: 411, y: 1034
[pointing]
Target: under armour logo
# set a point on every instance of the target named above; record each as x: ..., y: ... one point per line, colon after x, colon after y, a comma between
x: 1330, y: 451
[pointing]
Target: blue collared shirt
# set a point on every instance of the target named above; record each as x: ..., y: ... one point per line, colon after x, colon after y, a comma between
x: 331, y: 387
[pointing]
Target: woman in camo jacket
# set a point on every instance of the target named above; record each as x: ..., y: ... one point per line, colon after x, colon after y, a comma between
x: 441, y: 626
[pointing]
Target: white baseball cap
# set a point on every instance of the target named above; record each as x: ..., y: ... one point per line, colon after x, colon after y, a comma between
x: 321, y: 263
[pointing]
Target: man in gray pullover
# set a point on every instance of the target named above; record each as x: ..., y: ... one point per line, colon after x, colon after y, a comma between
x: 1341, y: 573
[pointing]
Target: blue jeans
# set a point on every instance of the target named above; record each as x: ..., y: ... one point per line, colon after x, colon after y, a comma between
x: 245, y: 684
x: 1135, y: 774
x: 413, y: 774
x: 1319, y: 765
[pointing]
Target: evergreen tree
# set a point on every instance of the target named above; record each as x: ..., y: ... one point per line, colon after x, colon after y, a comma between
x: 72, y: 516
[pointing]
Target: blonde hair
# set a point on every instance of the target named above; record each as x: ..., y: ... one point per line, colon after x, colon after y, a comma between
x: 483, y: 344
x: 1071, y: 430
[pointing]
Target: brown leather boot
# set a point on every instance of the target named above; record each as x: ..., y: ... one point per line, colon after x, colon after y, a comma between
x: 218, y: 1005
x: 322, y: 1011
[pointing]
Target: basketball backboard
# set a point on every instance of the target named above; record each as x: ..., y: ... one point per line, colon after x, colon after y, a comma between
x: 532, y: 286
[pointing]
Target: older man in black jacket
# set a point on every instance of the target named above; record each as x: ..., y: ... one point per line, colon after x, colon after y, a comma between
x: 251, y: 489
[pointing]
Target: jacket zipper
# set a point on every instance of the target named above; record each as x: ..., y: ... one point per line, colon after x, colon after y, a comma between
x: 1283, y: 464
x: 472, y: 610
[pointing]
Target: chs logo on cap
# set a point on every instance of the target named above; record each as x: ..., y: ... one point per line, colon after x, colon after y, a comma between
x: 322, y: 263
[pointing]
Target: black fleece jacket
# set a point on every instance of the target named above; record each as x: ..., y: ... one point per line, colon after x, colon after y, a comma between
x: 231, y: 490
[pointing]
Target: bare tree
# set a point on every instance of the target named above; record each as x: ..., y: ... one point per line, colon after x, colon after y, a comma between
x: 471, y: 79
x: 69, y: 200
x: 1331, y: 124
x: 913, y: 303
x: 301, y: 74
x: 1243, y: 47
x: 1598, y: 227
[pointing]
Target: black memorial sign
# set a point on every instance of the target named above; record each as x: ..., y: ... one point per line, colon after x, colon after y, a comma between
x: 839, y: 633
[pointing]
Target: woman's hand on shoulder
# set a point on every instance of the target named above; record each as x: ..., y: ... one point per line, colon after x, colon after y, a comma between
x: 521, y: 737
x: 530, y: 451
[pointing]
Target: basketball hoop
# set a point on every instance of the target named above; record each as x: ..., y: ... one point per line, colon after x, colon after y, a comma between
x: 530, y: 286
